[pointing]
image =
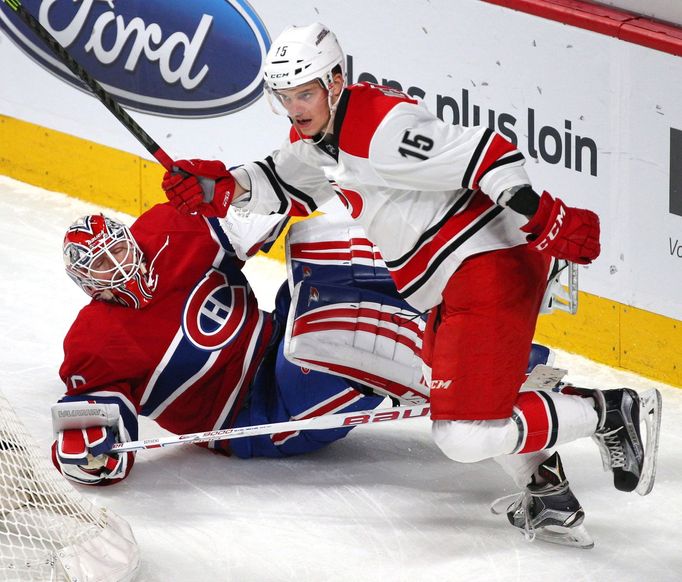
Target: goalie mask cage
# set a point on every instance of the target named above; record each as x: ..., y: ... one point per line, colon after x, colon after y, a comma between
x: 48, y: 530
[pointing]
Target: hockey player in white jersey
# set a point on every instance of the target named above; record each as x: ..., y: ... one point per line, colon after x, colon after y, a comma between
x: 465, y: 238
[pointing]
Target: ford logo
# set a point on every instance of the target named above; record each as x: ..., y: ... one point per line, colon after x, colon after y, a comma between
x: 181, y: 59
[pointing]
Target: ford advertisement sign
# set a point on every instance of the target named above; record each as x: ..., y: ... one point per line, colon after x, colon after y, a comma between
x: 201, y: 58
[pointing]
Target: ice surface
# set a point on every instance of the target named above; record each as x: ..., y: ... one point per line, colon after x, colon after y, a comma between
x: 382, y: 505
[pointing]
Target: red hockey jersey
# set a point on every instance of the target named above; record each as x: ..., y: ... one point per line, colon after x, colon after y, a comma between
x: 186, y: 359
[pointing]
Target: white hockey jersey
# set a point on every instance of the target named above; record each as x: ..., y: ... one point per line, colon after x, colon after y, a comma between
x: 423, y: 190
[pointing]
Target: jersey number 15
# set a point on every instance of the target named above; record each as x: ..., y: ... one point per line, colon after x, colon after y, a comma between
x: 415, y: 146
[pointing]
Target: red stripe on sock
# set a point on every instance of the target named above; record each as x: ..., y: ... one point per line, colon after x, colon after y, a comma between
x: 534, y: 410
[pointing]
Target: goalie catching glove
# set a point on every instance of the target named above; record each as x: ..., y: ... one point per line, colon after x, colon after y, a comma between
x: 85, y: 432
x: 203, y: 186
x: 564, y: 232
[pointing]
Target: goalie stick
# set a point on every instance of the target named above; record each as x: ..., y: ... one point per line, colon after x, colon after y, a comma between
x: 100, y: 92
x: 344, y: 420
x: 542, y: 377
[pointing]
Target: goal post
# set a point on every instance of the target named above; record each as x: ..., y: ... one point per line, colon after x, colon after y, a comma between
x: 48, y: 530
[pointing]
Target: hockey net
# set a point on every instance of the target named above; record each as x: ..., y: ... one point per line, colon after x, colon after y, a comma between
x: 48, y: 530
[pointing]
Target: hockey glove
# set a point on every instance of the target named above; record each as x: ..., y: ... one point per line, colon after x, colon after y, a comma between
x: 203, y: 186
x: 85, y: 432
x: 564, y: 232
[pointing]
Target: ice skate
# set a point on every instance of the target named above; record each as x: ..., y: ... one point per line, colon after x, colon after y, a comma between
x: 549, y: 511
x: 619, y: 438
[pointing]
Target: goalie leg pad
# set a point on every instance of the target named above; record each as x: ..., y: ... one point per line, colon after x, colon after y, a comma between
x: 286, y: 392
x: 539, y: 356
x: 333, y: 250
x: 364, y: 336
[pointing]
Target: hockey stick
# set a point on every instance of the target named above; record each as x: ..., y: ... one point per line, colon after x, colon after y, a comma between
x: 344, y: 420
x: 100, y: 92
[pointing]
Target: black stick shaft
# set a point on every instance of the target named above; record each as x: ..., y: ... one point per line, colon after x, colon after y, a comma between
x: 100, y: 92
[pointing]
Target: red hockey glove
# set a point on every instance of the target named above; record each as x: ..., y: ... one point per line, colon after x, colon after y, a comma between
x: 203, y: 186
x: 85, y: 433
x: 74, y: 445
x: 564, y: 232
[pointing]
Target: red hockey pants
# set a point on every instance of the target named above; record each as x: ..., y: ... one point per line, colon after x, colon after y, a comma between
x: 477, y: 341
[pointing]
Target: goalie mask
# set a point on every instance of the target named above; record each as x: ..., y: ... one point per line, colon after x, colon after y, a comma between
x: 102, y: 257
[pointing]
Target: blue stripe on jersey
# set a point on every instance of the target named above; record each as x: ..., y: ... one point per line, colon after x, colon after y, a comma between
x: 214, y: 223
x: 186, y: 361
x: 256, y: 369
x: 233, y: 271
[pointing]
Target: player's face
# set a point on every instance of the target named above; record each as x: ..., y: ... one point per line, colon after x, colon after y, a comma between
x: 308, y: 106
x: 114, y: 262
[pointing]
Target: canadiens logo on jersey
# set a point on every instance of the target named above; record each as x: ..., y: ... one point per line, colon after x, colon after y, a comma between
x: 215, y: 312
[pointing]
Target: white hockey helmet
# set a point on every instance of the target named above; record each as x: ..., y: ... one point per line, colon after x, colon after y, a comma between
x: 302, y: 54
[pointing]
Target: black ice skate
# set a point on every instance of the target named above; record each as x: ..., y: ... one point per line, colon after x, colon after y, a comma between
x: 548, y: 512
x: 618, y: 436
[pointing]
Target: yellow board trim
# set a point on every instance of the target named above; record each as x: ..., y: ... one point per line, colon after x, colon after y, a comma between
x: 605, y: 331
x: 618, y: 335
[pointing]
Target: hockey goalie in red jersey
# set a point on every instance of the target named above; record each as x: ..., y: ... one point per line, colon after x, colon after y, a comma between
x: 465, y: 238
x: 174, y: 333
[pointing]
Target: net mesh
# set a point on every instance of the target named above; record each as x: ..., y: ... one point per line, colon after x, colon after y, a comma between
x: 40, y: 512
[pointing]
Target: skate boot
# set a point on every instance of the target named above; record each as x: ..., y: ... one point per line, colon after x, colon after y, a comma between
x: 619, y: 439
x: 548, y: 511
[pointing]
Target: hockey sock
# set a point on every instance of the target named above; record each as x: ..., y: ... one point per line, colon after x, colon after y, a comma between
x: 548, y: 419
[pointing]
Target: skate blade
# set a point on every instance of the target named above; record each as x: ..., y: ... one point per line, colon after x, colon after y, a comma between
x: 543, y: 377
x: 651, y: 404
x: 575, y: 537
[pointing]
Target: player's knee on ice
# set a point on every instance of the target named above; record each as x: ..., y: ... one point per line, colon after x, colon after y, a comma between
x: 470, y: 441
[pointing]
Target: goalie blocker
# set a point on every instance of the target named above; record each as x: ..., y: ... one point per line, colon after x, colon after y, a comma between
x: 84, y: 433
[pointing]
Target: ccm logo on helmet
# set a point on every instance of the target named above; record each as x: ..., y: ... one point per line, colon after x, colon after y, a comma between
x: 279, y: 75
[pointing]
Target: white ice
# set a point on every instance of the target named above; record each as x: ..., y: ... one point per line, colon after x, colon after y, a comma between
x: 383, y: 504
